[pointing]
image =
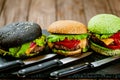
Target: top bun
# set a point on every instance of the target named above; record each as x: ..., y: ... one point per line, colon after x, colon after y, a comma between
x: 104, y: 24
x: 17, y: 33
x: 67, y: 27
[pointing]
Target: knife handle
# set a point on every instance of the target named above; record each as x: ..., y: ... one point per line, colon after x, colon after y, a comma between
x: 70, y: 70
x: 39, y: 67
x: 11, y: 65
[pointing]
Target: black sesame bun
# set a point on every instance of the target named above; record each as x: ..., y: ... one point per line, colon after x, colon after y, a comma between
x: 21, y: 39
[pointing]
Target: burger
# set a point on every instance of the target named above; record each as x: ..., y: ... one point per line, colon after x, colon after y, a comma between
x: 105, y: 34
x: 67, y: 37
x: 21, y: 40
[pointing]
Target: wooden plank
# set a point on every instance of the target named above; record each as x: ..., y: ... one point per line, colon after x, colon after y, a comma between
x: 115, y: 6
x: 1, y: 5
x: 71, y: 9
x: 93, y: 7
x: 42, y: 12
x: 14, y: 10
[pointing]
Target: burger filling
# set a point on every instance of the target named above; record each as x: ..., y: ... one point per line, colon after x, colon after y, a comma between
x: 28, y: 49
x: 68, y: 42
x: 111, y: 41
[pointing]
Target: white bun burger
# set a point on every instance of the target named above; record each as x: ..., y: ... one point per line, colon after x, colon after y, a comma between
x: 67, y: 37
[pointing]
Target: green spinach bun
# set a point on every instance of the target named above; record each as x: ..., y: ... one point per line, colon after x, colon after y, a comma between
x: 67, y: 37
x: 21, y: 39
x: 105, y: 34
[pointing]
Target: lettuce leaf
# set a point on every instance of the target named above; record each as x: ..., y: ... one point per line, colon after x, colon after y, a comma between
x: 65, y: 51
x: 56, y: 38
x: 3, y: 52
x: 20, y: 50
x: 13, y: 51
x: 104, y: 36
x: 41, y: 41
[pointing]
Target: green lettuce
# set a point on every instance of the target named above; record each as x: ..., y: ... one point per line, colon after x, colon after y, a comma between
x: 65, y: 51
x: 20, y: 50
x: 104, y: 36
x: 85, y: 49
x: 41, y: 40
x: 3, y: 52
x: 56, y: 38
x: 14, y: 50
x: 62, y: 51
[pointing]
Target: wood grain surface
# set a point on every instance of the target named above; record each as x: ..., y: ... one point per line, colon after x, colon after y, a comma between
x: 44, y: 12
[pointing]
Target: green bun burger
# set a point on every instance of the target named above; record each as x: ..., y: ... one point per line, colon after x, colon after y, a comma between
x: 105, y: 34
x: 21, y: 40
x: 67, y: 37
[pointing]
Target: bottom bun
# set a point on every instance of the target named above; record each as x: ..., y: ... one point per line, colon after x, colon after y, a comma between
x: 103, y: 50
x: 67, y: 53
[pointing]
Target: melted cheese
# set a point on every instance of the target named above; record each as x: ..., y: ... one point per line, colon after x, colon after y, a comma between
x: 107, y: 41
x: 30, y: 49
x: 50, y: 44
x: 83, y: 43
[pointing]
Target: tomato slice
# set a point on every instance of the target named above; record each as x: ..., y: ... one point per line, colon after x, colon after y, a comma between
x: 113, y: 46
x: 116, y: 35
x: 116, y: 43
x: 32, y: 44
x: 68, y: 43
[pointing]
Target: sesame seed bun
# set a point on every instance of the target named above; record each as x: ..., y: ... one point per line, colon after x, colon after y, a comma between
x: 67, y: 27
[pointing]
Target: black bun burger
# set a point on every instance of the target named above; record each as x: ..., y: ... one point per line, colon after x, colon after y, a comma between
x: 67, y: 37
x: 21, y: 39
x: 105, y: 34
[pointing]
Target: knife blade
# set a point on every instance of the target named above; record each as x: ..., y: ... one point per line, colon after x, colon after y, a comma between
x: 20, y: 63
x: 77, y: 68
x: 50, y: 64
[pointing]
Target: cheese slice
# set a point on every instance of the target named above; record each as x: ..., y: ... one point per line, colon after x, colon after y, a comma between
x: 50, y: 44
x: 83, y: 43
x: 30, y: 49
x: 107, y: 41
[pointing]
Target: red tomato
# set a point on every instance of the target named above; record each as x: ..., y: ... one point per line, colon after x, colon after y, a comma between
x: 113, y: 46
x: 116, y: 43
x: 116, y: 35
x: 32, y: 44
x: 68, y: 43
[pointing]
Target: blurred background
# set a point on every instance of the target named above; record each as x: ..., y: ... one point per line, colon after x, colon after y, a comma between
x: 44, y: 12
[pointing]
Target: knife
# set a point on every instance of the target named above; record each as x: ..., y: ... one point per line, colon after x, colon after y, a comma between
x: 49, y: 64
x: 77, y: 68
x: 19, y: 63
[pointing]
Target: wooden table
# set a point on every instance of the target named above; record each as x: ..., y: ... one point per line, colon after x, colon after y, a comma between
x: 44, y: 12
